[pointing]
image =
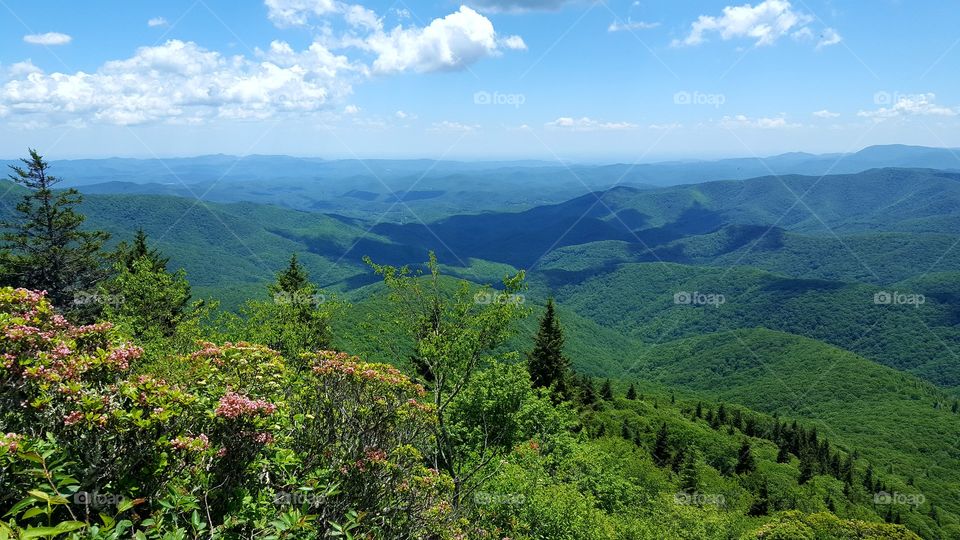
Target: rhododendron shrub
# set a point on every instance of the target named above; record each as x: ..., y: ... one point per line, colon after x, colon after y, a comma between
x: 240, y: 445
x: 364, y: 422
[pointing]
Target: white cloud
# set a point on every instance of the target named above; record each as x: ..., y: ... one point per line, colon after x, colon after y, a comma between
x: 910, y: 105
x: 826, y: 114
x: 743, y: 121
x: 182, y: 82
x: 765, y: 22
x: 587, y: 124
x: 351, y: 109
x: 454, y: 127
x: 449, y: 43
x: 665, y: 127
x: 628, y: 25
x: 401, y: 115
x: 50, y: 38
x: 286, y: 13
x: 157, y: 21
x: 514, y: 42
x: 828, y: 38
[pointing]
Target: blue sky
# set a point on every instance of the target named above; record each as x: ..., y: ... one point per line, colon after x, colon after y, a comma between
x: 489, y: 79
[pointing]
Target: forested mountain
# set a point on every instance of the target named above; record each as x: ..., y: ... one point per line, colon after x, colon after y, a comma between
x: 791, y: 360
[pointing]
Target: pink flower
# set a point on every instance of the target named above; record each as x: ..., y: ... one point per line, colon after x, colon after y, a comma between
x: 233, y: 405
x: 72, y: 418
x: 194, y: 444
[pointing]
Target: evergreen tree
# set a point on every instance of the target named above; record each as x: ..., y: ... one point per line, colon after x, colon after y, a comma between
x: 143, y: 295
x: 783, y: 455
x: 44, y: 247
x: 807, y: 469
x: 128, y: 255
x: 547, y: 365
x: 661, y: 447
x: 295, y: 319
x: 690, y: 472
x: 761, y: 505
x: 699, y: 411
x: 632, y: 392
x: 745, y: 461
x: 606, y: 391
x: 587, y: 393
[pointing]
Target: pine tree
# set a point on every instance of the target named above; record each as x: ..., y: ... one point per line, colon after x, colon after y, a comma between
x: 295, y: 319
x: 606, y: 391
x: 142, y: 294
x: 547, y: 365
x: 586, y: 391
x: 127, y: 255
x: 292, y: 279
x: 807, y: 469
x: 761, y: 505
x: 690, y: 473
x: 632, y: 392
x: 745, y: 462
x: 699, y: 411
x: 783, y: 455
x: 661, y: 447
x: 44, y: 247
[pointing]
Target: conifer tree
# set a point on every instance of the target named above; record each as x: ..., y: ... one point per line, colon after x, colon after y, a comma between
x: 690, y: 472
x: 632, y: 392
x: 661, y: 446
x: 142, y: 294
x: 606, y: 391
x: 44, y: 247
x: 547, y: 365
x: 761, y: 505
x: 745, y: 461
x: 783, y: 455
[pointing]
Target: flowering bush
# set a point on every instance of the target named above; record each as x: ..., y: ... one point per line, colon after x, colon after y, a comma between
x: 220, y: 449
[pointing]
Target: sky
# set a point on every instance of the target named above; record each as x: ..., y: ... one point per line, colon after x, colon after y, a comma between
x: 629, y: 81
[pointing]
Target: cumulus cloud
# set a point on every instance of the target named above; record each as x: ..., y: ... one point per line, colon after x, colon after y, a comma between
x: 446, y: 44
x: 629, y: 26
x: 743, y: 121
x: 183, y: 82
x: 587, y: 124
x: 826, y: 114
x: 402, y: 115
x: 351, y: 109
x: 156, y: 21
x: 285, y: 13
x: 908, y: 105
x: 50, y: 38
x: 453, y: 127
x: 765, y: 23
